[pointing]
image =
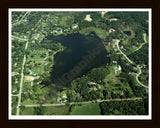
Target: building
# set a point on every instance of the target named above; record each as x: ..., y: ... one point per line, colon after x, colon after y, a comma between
x: 74, y: 26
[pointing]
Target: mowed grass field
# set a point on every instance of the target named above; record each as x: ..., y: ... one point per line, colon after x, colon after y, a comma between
x: 27, y: 111
x: 101, y: 33
x: 86, y: 109
x: 57, y: 110
x: 49, y: 110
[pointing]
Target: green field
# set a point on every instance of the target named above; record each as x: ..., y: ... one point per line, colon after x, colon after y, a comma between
x: 66, y: 20
x: 50, y: 110
x: 86, y: 109
x: 57, y: 110
x: 38, y: 69
x: 99, y: 32
x: 28, y: 111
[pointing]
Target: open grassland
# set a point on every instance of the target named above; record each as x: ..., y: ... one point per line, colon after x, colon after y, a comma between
x: 57, y: 110
x: 99, y: 32
x: 49, y: 110
x: 66, y: 20
x: 86, y: 109
x: 29, y: 102
x: 38, y: 69
x: 28, y: 111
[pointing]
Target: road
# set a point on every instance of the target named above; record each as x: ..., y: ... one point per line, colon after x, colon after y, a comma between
x: 86, y: 102
x: 140, y: 47
x: 22, y: 40
x: 138, y: 76
x: 21, y: 83
x: 20, y: 90
x: 19, y: 38
x: 117, y: 42
x: 26, y: 45
x: 15, y: 95
x: 24, y: 60
x: 145, y: 37
x: 145, y: 41
x: 21, y: 19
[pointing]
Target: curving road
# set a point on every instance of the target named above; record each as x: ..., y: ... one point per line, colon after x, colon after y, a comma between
x: 138, y: 76
x: 145, y: 41
x: 117, y: 42
x: 21, y: 19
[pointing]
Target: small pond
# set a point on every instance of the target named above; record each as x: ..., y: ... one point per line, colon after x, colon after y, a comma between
x: 127, y: 32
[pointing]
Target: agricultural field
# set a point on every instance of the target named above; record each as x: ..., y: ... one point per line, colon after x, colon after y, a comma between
x: 101, y: 33
x: 86, y: 109
x: 57, y: 110
x: 27, y: 111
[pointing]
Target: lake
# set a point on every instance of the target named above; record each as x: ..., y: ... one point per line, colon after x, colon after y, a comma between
x: 82, y: 53
x: 127, y: 32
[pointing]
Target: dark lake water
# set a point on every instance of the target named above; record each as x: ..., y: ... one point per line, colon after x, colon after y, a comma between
x: 127, y: 32
x: 82, y: 53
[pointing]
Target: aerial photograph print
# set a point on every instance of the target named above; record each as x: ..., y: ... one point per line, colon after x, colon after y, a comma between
x: 79, y: 63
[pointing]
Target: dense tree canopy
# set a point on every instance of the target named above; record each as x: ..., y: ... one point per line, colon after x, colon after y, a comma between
x: 134, y: 107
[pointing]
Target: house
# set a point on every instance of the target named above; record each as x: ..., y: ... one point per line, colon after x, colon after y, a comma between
x: 14, y: 90
x: 16, y: 81
x: 58, y: 99
x: 113, y: 43
x: 33, y: 41
x: 64, y: 96
x: 45, y: 63
x: 14, y: 73
x: 115, y: 62
x: 74, y: 26
x: 35, y: 74
x: 77, y: 94
x: 30, y: 72
x: 119, y: 68
x: 95, y: 89
x: 37, y: 36
x: 91, y: 83
x: 111, y: 30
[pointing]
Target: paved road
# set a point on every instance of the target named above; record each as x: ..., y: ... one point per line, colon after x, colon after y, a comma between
x: 86, y: 102
x: 21, y: 19
x: 117, y: 42
x: 140, y: 47
x: 138, y: 76
x: 15, y: 95
x: 26, y: 45
x: 145, y: 37
x: 21, y: 83
x: 19, y: 38
x: 145, y: 41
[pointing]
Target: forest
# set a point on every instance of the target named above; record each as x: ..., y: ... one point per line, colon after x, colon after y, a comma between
x: 134, y: 107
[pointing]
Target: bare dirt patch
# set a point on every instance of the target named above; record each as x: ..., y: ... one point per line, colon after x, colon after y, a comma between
x: 103, y: 13
x: 88, y: 18
x: 30, y: 78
